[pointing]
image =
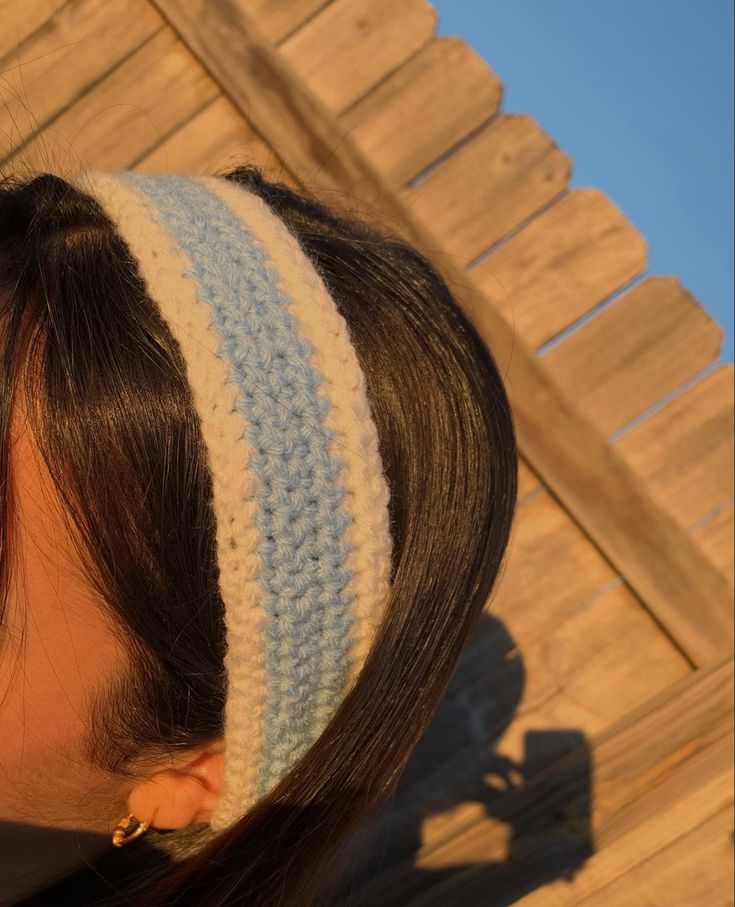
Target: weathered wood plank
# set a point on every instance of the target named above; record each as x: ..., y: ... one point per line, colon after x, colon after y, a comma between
x: 144, y: 111
x: 214, y: 138
x: 567, y: 260
x: 175, y: 119
x: 19, y: 20
x: 664, y: 767
x: 83, y: 42
x: 416, y: 114
x: 350, y: 46
x: 490, y: 186
x: 696, y: 868
x: 660, y: 771
x: 648, y: 342
x: 279, y: 18
x: 684, y: 451
x: 699, y: 788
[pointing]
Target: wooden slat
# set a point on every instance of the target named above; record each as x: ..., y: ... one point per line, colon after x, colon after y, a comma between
x: 696, y: 868
x: 349, y: 47
x: 663, y: 768
x: 279, y: 18
x: 55, y: 109
x: 144, y: 111
x: 672, y: 577
x: 567, y: 260
x: 197, y: 146
x: 416, y: 114
x: 174, y: 120
x: 508, y: 173
x: 607, y: 657
x: 684, y: 452
x: 632, y: 354
x: 259, y: 80
x: 701, y: 787
x: 83, y: 42
x: 19, y: 20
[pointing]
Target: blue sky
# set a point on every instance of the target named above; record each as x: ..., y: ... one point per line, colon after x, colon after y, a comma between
x: 639, y: 94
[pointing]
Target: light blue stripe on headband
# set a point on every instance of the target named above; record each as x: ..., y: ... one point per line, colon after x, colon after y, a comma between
x: 304, y: 546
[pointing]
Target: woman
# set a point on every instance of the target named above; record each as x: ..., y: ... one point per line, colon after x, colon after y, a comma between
x: 258, y: 478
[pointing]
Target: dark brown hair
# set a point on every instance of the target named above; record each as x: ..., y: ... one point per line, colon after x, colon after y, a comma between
x: 112, y: 414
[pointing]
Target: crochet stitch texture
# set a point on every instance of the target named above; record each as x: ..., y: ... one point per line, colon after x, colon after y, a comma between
x: 300, y: 496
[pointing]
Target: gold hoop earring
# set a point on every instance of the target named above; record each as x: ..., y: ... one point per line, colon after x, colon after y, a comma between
x: 119, y: 837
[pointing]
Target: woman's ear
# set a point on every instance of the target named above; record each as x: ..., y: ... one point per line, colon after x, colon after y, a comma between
x: 180, y: 795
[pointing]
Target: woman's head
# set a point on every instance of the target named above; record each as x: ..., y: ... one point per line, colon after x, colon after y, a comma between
x: 94, y: 376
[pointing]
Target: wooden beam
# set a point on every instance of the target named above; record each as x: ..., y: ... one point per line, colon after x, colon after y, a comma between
x: 674, y: 579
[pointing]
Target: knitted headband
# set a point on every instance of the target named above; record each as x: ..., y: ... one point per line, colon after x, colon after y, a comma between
x: 300, y: 496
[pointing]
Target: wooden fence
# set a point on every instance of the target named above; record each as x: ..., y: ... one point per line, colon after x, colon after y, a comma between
x: 583, y: 752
